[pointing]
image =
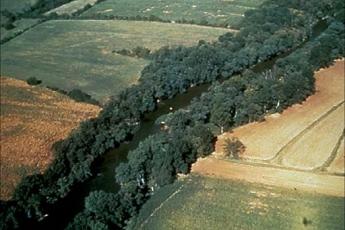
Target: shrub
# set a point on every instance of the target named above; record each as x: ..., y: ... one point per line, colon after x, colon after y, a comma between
x: 233, y: 147
x: 33, y: 81
x: 80, y: 96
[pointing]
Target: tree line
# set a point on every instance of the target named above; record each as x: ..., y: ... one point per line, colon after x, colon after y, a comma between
x: 239, y: 100
x: 236, y: 101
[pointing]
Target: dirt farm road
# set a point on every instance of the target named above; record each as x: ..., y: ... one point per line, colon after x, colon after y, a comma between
x: 273, y: 176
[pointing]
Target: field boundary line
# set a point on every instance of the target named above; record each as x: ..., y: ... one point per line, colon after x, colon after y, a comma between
x: 160, y: 206
x: 23, y: 31
x: 227, y: 29
x: 275, y: 166
x: 332, y: 156
x: 277, y: 158
x: 315, y: 182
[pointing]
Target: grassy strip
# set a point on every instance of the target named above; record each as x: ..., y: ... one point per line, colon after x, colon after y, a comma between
x: 210, y: 203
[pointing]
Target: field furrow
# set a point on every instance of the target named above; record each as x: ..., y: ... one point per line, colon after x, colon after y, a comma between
x: 337, y: 165
x: 316, y: 145
x: 264, y: 140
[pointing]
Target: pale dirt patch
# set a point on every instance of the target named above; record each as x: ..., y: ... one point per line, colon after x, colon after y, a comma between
x: 337, y: 166
x: 263, y: 140
x: 71, y: 7
x: 29, y: 127
x: 290, y: 179
x: 257, y: 206
x: 316, y: 145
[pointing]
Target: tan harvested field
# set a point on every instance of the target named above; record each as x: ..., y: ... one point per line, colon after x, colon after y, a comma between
x: 71, y: 7
x: 263, y: 140
x: 304, y: 137
x: 32, y: 119
x: 316, y: 145
x: 290, y: 179
x: 337, y: 166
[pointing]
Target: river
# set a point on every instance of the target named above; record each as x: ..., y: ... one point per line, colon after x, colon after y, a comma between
x: 104, y: 172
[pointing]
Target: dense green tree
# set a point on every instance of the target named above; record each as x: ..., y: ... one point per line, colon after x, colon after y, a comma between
x: 233, y: 147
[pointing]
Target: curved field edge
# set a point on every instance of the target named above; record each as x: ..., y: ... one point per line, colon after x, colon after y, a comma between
x: 32, y: 120
x: 337, y: 165
x: 314, y: 148
x: 198, y: 202
x: 279, y: 129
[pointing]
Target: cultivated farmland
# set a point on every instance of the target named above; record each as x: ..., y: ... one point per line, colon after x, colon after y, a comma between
x: 211, y: 203
x: 267, y: 139
x: 221, y: 12
x: 79, y: 54
x: 32, y: 120
x: 316, y: 145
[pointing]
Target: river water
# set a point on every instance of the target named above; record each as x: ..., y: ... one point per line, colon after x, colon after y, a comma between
x: 104, y: 172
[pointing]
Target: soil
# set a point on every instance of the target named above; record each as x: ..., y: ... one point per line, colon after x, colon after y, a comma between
x: 32, y: 119
x: 291, y: 179
x: 263, y: 140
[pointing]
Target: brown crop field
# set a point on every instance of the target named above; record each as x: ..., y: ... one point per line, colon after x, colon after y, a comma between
x: 32, y: 119
x: 264, y: 140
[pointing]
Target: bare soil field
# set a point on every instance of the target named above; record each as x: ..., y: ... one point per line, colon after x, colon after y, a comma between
x: 263, y: 140
x: 32, y: 119
x: 337, y: 166
x: 316, y: 145
x: 290, y: 179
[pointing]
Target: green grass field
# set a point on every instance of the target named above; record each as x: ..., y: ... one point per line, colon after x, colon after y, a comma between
x: 215, y: 12
x: 16, y: 6
x: 209, y: 203
x: 78, y: 54
x: 20, y: 26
